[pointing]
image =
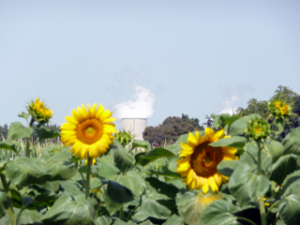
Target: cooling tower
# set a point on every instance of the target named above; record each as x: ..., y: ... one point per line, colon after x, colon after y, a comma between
x: 135, y: 125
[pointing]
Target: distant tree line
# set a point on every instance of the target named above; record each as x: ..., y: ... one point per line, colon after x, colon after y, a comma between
x: 171, y: 129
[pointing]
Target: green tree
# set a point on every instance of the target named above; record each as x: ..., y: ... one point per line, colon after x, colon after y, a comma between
x: 284, y: 93
x: 3, y: 132
x: 193, y: 121
x: 167, y: 132
x: 255, y: 106
x: 209, y: 121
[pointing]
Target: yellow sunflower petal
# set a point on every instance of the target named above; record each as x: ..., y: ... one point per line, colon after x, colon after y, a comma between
x: 218, y: 135
x: 205, y: 186
x: 76, y: 115
x: 109, y: 120
x: 109, y: 128
x: 183, y: 164
x: 192, y: 140
x: 68, y: 126
x: 199, y: 160
x: 100, y: 111
x: 106, y: 114
x: 218, y: 179
x: 72, y: 120
x: 192, y: 185
x: 208, y: 134
x: 199, y: 137
x: 199, y: 183
x: 92, y: 110
x: 190, y: 176
x: 212, y: 184
x: 89, y: 130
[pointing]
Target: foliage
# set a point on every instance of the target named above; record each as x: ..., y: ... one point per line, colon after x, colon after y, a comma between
x: 167, y: 132
x: 284, y: 94
x: 143, y: 188
x: 195, y: 122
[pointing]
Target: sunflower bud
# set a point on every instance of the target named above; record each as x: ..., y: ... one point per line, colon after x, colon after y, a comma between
x: 257, y: 129
x: 279, y: 108
x: 39, y: 111
x: 124, y: 137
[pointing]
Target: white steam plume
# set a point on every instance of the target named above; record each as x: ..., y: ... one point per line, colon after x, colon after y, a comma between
x: 142, y: 105
x: 229, y: 105
x: 236, y: 96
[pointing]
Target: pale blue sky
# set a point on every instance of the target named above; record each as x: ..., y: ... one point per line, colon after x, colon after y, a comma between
x: 196, y: 57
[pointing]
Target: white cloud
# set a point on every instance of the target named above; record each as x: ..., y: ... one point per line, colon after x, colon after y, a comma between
x: 142, y: 105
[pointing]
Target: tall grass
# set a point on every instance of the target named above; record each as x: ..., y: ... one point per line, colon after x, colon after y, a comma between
x: 48, y: 147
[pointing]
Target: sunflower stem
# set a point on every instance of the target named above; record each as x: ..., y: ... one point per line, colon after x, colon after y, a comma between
x: 121, y: 213
x: 6, y: 189
x: 27, y: 150
x: 88, y: 175
x: 261, y: 198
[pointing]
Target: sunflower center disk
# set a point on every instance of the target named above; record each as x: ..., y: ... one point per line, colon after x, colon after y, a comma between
x: 90, y: 131
x: 205, y: 159
x: 258, y: 129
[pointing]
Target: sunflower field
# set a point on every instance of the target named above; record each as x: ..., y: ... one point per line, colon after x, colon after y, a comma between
x: 237, y: 172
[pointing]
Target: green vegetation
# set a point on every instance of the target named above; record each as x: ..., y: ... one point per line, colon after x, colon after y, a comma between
x: 127, y: 187
x: 167, y: 132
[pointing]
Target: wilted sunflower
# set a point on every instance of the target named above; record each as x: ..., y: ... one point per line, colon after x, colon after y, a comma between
x: 90, y: 131
x: 200, y: 161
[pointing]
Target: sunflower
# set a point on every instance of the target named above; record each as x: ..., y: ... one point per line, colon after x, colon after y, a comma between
x: 257, y: 129
x: 279, y: 108
x: 90, y: 131
x: 199, y: 162
x: 39, y: 111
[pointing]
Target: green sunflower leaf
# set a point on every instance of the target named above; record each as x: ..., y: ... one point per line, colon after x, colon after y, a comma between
x: 291, y: 184
x: 250, y: 156
x: 191, y: 206
x: 119, y: 193
x: 226, y: 167
x: 154, y: 154
x: 67, y: 210
x: 17, y: 131
x: 5, y: 202
x: 239, y: 126
x: 289, y: 209
x: 24, y: 115
x: 24, y: 171
x: 245, y: 185
x: 284, y: 166
x: 174, y: 220
x: 141, y: 144
x: 279, y: 125
x: 162, y: 187
x: 275, y: 148
x: 103, y: 220
x: 153, y: 208
x: 131, y: 180
x: 220, y: 212
x: 123, y: 160
x: 27, y: 217
x: 291, y: 143
x: 235, y: 142
x: 105, y: 170
x: 9, y: 145
x: 44, y: 133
